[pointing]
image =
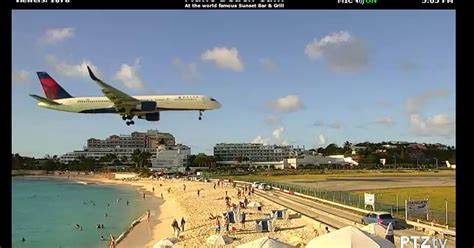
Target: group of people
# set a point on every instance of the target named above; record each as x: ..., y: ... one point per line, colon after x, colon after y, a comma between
x: 178, y: 228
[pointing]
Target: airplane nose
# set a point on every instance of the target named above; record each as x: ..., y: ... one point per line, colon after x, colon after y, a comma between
x: 218, y: 105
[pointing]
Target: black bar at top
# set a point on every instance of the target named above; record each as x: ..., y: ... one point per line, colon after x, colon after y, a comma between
x: 233, y: 4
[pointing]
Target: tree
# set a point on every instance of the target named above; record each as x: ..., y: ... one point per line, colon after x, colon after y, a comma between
x: 50, y: 165
x: 141, y: 158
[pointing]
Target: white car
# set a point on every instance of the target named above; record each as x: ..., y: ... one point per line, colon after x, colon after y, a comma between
x: 264, y: 186
x: 256, y: 184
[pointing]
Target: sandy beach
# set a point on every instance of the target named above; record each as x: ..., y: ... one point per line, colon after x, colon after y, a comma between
x: 196, y: 210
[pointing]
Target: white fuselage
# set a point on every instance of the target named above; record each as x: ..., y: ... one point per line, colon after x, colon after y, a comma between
x: 163, y: 103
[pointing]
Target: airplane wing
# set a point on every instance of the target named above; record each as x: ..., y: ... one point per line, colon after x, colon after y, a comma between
x: 120, y: 99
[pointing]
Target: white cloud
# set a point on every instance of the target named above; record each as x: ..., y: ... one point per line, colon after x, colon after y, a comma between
x: 187, y: 71
x: 260, y: 140
x: 56, y: 35
x: 225, y: 58
x: 415, y: 103
x: 341, y: 52
x: 277, y: 133
x: 290, y: 103
x: 386, y: 121
x: 437, y: 125
x: 129, y: 75
x: 284, y: 142
x: 72, y: 70
x: 322, y: 139
x: 21, y: 76
x: 272, y: 120
x: 267, y: 64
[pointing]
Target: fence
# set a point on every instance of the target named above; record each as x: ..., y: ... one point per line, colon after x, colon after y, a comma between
x: 382, y: 203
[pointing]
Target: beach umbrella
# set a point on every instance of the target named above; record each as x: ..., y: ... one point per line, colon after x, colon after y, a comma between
x: 266, y: 242
x: 165, y: 243
x: 349, y: 237
x: 218, y: 239
x: 254, y: 205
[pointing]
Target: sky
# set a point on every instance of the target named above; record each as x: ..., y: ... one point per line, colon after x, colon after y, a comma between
x: 309, y: 78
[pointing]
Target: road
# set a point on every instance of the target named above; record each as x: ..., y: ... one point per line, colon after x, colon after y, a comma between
x: 328, y: 215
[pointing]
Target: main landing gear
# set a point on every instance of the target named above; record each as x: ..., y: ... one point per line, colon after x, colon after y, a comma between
x: 128, y: 117
x: 200, y: 114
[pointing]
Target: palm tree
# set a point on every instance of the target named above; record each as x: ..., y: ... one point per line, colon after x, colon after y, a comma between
x: 140, y: 158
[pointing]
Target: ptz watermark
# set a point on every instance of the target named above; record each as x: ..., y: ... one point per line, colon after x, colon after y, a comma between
x: 423, y: 241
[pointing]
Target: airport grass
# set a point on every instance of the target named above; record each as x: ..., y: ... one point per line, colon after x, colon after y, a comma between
x: 334, y: 174
x: 437, y: 196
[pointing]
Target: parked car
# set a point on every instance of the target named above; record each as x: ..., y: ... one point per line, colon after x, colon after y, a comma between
x: 264, y: 186
x: 382, y: 218
x: 256, y: 184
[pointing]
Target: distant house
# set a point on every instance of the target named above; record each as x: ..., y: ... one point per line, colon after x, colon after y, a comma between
x: 418, y: 146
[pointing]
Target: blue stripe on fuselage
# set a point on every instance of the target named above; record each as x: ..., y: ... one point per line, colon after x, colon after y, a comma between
x: 100, y: 111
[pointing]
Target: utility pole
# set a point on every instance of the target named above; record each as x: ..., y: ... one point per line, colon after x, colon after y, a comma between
x: 436, y: 163
x: 395, y: 161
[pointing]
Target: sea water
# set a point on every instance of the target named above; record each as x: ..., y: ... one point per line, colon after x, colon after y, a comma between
x: 45, y: 212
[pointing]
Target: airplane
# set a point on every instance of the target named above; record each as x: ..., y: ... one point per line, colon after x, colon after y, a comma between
x: 118, y: 102
x: 449, y: 165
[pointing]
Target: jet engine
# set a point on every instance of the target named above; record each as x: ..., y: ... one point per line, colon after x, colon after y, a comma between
x: 146, y: 106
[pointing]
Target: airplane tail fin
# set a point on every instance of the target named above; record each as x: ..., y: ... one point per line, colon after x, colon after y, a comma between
x: 51, y: 88
x: 44, y: 100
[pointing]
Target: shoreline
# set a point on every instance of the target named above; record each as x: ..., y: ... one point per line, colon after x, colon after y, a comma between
x: 131, y: 234
x: 196, y: 210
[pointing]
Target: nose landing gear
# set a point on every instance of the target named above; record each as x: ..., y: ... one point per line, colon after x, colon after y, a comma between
x: 129, y: 123
x: 200, y: 114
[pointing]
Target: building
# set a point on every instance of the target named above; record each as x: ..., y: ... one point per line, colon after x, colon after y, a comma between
x: 121, y: 145
x: 171, y: 156
x: 317, y: 160
x: 254, y: 152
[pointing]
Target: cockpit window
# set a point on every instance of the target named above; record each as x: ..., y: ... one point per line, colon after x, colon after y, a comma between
x: 214, y: 100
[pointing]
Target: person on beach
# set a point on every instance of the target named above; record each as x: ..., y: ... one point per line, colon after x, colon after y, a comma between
x: 169, y: 190
x: 226, y: 225
x: 148, y: 214
x: 143, y: 195
x: 246, y: 201
x: 112, y: 241
x: 182, y: 224
x: 162, y: 196
x: 242, y: 219
x: 214, y: 185
x: 184, y: 187
x: 175, y: 226
x: 226, y: 193
x: 218, y: 225
x: 153, y: 189
x: 199, y: 191
x: 327, y: 229
x: 127, y: 202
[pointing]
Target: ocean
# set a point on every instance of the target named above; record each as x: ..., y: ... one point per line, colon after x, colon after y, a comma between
x: 45, y: 212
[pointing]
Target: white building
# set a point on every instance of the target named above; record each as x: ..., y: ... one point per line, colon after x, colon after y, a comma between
x: 254, y: 152
x: 175, y: 157
x: 317, y: 160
